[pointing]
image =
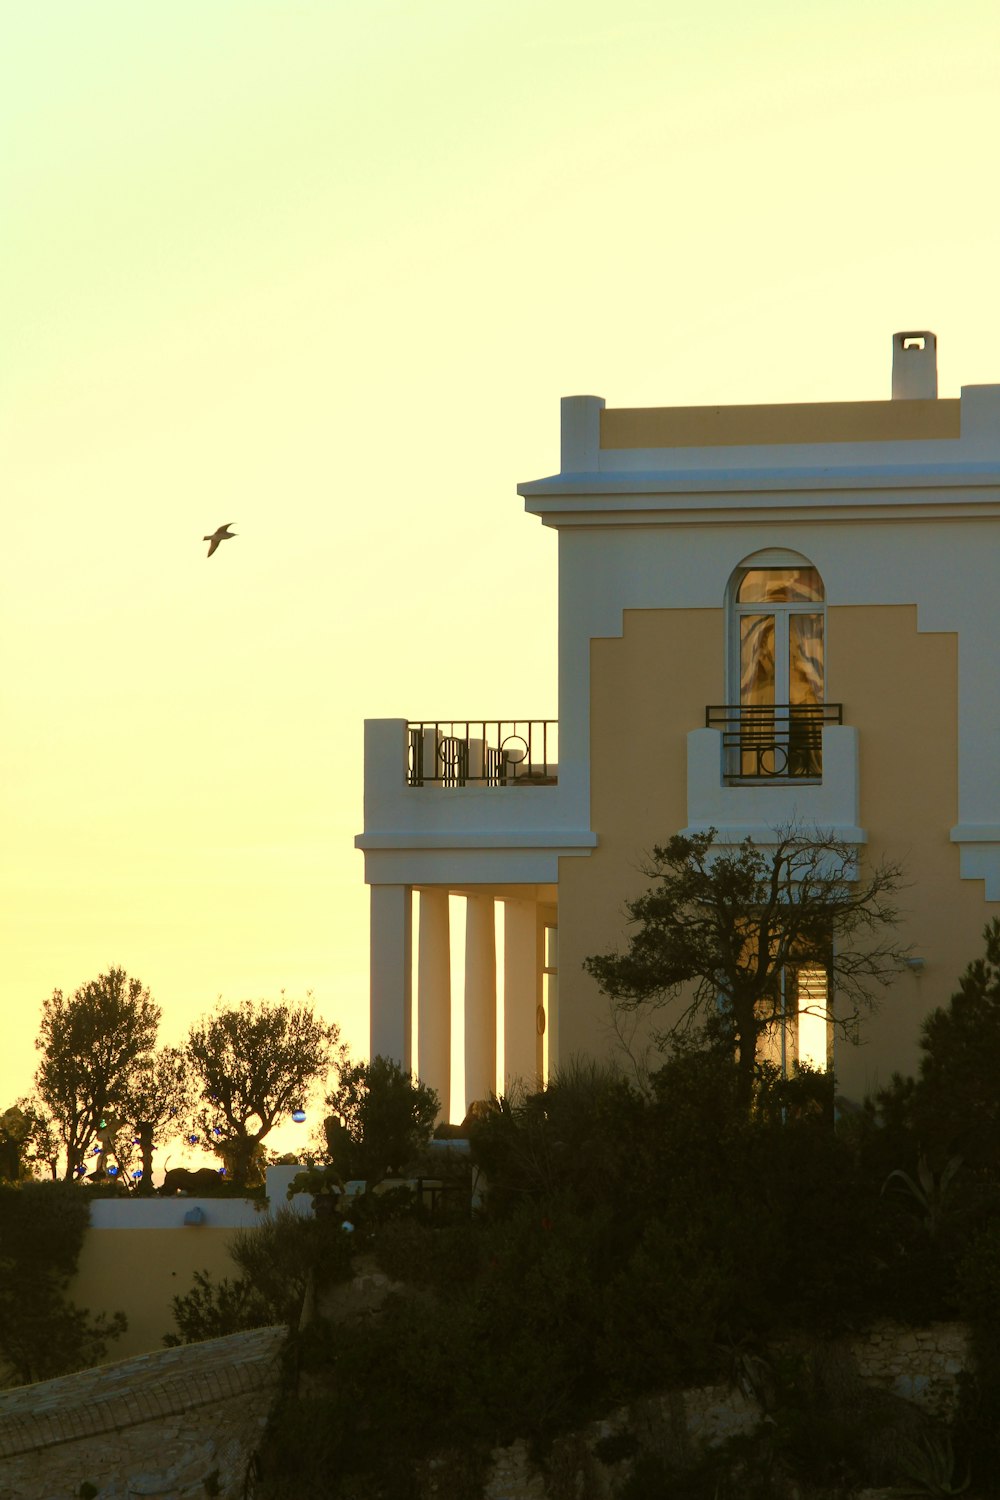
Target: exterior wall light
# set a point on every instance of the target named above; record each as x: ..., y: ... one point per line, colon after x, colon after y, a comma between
x: 916, y: 964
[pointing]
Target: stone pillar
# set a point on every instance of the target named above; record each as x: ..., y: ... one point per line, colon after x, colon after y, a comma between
x: 434, y: 995
x: 480, y: 999
x: 391, y: 1024
x: 520, y: 992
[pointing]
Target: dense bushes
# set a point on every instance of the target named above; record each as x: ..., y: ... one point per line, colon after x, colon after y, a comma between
x: 633, y: 1241
x: 381, y: 1117
x: 629, y: 1242
x: 42, y: 1334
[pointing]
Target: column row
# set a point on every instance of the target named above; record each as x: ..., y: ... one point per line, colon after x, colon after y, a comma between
x: 392, y: 1000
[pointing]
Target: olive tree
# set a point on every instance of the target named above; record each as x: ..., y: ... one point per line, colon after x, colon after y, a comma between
x: 29, y: 1144
x: 159, y: 1095
x: 720, y: 925
x: 252, y: 1064
x: 90, y: 1044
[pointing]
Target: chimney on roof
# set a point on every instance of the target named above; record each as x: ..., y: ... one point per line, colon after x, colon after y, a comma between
x: 914, y: 366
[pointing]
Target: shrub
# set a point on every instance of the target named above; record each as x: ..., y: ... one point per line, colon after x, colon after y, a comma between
x: 42, y: 1334
x: 578, y: 1134
x: 277, y: 1259
x: 381, y: 1118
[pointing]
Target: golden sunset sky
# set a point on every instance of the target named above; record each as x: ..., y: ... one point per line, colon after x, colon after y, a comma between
x: 324, y: 270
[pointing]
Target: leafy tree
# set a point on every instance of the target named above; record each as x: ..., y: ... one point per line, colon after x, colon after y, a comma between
x: 13, y: 1136
x: 720, y: 926
x: 29, y: 1145
x: 42, y: 1147
x: 90, y: 1046
x: 381, y: 1117
x: 159, y: 1093
x: 254, y: 1063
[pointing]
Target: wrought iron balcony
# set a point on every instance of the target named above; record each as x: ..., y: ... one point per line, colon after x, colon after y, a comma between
x: 485, y: 752
x: 774, y: 741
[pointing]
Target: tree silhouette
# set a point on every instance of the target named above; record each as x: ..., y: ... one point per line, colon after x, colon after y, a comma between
x: 956, y: 1104
x: 380, y: 1118
x: 254, y: 1062
x: 90, y: 1046
x: 159, y: 1093
x: 719, y: 927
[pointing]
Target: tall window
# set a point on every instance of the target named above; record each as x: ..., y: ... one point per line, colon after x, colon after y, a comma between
x: 802, y: 1036
x: 778, y: 653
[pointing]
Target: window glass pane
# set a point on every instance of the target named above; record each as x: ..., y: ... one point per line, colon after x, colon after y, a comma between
x: 780, y: 586
x: 756, y: 659
x: 813, y: 999
x: 757, y: 695
x: 805, y: 658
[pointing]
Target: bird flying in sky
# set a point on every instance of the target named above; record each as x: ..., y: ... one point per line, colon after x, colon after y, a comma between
x: 221, y: 534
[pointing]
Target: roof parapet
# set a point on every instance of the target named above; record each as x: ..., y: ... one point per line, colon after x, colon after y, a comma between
x: 580, y: 433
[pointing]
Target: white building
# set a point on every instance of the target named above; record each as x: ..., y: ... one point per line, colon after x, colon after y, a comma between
x: 766, y: 614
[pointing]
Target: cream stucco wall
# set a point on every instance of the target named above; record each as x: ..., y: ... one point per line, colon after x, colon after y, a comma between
x: 138, y: 1253
x: 896, y: 503
x: 899, y: 687
x: 649, y: 688
x: 140, y: 1271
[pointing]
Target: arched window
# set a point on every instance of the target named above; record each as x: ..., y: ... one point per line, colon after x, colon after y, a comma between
x: 777, y: 670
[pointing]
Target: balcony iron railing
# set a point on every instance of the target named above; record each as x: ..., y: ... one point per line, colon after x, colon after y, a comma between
x: 773, y: 741
x: 488, y: 752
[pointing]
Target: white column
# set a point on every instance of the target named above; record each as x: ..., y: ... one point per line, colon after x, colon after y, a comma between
x: 520, y: 992
x: 434, y: 996
x: 391, y: 1028
x: 480, y: 999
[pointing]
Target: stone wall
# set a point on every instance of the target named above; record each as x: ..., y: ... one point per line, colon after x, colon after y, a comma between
x: 597, y: 1461
x: 186, y: 1422
x: 920, y: 1364
x: 178, y: 1423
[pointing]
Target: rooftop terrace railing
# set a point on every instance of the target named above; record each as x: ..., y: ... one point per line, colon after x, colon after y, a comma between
x: 484, y: 752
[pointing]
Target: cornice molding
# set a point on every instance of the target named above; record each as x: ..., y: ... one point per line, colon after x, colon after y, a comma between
x: 739, y: 496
